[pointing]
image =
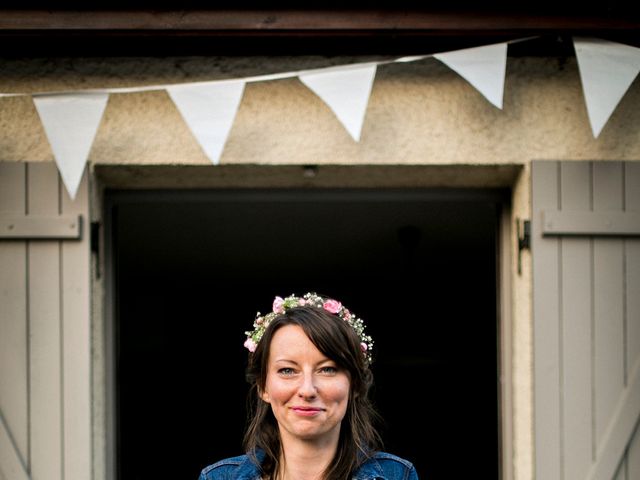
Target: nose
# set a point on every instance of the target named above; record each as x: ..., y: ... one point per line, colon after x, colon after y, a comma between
x: 307, y: 388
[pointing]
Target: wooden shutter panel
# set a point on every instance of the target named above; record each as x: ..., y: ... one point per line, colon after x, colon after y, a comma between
x: 586, y: 313
x: 44, y: 326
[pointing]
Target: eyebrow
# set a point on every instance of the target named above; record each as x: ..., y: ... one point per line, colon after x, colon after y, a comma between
x: 287, y: 360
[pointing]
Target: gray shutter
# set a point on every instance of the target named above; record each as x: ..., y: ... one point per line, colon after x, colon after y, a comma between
x: 585, y: 248
x: 44, y: 326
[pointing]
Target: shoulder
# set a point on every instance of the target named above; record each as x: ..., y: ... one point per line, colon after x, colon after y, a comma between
x: 390, y: 458
x: 386, y: 466
x: 239, y: 467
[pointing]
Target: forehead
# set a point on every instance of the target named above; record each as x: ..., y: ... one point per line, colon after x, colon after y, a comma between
x: 289, y: 336
x: 291, y: 344
x: 291, y: 340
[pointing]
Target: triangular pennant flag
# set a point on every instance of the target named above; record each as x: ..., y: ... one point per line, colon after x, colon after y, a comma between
x: 483, y: 67
x: 346, y: 92
x: 70, y: 122
x: 209, y: 110
x: 606, y: 71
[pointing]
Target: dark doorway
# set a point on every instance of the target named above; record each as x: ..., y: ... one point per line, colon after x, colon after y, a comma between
x: 192, y: 268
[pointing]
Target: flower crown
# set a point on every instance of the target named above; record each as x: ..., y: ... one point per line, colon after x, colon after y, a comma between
x: 280, y: 305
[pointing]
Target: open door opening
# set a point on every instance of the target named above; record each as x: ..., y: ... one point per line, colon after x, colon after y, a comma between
x: 191, y: 268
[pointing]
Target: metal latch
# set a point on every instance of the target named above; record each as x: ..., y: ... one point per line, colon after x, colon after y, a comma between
x: 524, y: 240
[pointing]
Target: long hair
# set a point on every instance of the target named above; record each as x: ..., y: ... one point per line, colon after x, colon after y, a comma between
x: 337, y: 340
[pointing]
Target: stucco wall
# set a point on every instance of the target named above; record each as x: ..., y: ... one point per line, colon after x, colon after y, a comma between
x: 419, y: 113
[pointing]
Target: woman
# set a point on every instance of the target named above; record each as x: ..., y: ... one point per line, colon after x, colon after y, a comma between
x: 312, y: 418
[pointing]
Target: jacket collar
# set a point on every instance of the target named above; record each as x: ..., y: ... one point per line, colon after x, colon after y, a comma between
x: 370, y: 470
x: 248, y: 470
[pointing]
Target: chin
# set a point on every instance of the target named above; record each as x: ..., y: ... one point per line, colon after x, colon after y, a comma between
x: 313, y: 434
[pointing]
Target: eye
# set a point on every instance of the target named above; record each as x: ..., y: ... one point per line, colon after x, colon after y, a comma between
x: 329, y: 370
x: 286, y: 371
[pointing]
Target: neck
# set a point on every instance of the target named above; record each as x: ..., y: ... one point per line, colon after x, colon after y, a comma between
x: 306, y: 460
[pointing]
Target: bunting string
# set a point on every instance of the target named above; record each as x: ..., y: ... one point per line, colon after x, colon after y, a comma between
x: 71, y: 118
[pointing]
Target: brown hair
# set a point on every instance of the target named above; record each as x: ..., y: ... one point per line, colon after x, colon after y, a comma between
x: 338, y: 341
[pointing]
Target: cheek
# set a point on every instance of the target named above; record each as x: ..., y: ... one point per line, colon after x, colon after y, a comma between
x: 339, y: 391
x: 276, y: 391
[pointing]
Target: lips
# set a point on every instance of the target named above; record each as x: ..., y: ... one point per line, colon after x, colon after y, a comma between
x: 306, y: 411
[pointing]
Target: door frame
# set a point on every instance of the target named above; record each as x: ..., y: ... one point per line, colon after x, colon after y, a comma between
x: 161, y: 178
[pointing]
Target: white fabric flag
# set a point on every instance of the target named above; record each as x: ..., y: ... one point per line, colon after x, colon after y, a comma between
x: 70, y: 122
x: 483, y: 67
x: 606, y: 71
x: 209, y: 110
x: 346, y: 92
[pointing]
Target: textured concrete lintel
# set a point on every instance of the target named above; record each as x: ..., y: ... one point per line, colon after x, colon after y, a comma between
x: 336, y: 176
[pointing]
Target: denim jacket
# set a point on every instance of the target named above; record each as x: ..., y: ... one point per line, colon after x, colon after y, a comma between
x: 381, y: 466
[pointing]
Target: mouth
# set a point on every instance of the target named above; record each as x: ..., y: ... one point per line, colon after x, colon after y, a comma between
x: 306, y: 411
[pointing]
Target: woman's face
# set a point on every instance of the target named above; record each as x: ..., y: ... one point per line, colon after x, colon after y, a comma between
x: 307, y: 391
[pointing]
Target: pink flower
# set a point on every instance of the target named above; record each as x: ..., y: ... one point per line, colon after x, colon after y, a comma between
x: 363, y: 347
x: 332, y: 306
x: 250, y: 345
x: 346, y: 314
x: 278, y: 305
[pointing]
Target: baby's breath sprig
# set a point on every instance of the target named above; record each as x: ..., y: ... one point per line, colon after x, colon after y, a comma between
x: 280, y: 305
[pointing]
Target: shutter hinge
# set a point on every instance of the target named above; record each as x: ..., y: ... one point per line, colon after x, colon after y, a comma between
x: 524, y: 240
